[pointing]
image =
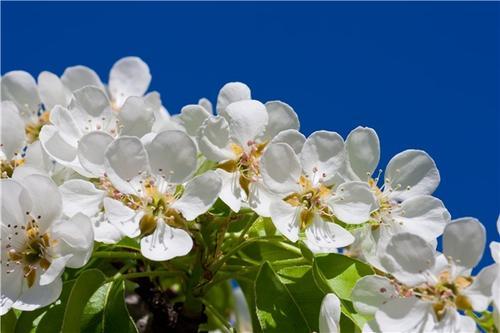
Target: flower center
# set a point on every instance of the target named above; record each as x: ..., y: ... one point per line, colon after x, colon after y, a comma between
x: 310, y: 200
x: 33, y: 129
x: 7, y: 167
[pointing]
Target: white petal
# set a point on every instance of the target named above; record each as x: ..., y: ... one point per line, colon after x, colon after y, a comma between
x: 454, y: 322
x: 15, y: 202
x: 479, y: 293
x: 91, y: 149
x: 410, y: 173
x: 46, y: 200
x: 327, y: 235
x: 322, y: 156
x: 55, y: 270
x: 20, y: 88
x: 260, y: 198
x: 129, y: 76
x: 68, y: 129
x: 192, y: 117
x: 231, y: 192
x: 126, y: 162
x: 404, y: 315
x: 280, y: 168
x: 230, y: 93
x: 199, y: 195
x: 363, y: 151
x: 122, y: 217
x: 495, y: 251
x: 11, y: 287
x: 422, y: 215
x: 291, y: 137
x: 77, y: 77
x: 213, y: 139
x: 281, y: 117
x: 38, y: 296
x: 12, y: 137
x: 206, y: 104
x: 286, y: 219
x: 353, y: 202
x: 408, y: 257
x: 329, y: 314
x: 104, y: 231
x: 166, y: 243
x: 136, y: 117
x: 173, y: 154
x: 81, y: 196
x: 371, y: 292
x: 52, y: 90
x: 89, y: 100
x: 247, y: 120
x: 463, y: 241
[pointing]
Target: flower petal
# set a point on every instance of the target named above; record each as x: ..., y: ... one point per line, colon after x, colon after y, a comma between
x: 81, y: 196
x: 199, y: 195
x: 422, y: 215
x: 408, y: 257
x: 192, y: 117
x: 206, y: 104
x: 322, y: 156
x: 12, y: 137
x: 280, y: 169
x: 410, y: 173
x: 173, y: 156
x: 89, y: 101
x: 353, y: 202
x: 38, y: 296
x: 370, y: 293
x: 329, y: 314
x: 77, y: 77
x: 129, y: 76
x: 12, y: 283
x: 463, y: 241
x: 104, y: 231
x: 68, y: 129
x: 363, y: 151
x: 122, y: 217
x: 52, y: 90
x: 20, y: 88
x: 247, y: 120
x: 281, y: 117
x: 136, y: 117
x: 213, y: 139
x: 126, y: 163
x: 166, y: 243
x: 404, y: 315
x: 327, y: 235
x: 260, y: 198
x: 55, y: 269
x: 91, y: 149
x: 231, y: 192
x: 230, y: 93
x: 286, y: 219
x: 291, y: 137
x: 479, y: 293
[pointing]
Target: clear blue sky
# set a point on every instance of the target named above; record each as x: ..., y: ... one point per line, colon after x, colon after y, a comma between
x: 424, y: 75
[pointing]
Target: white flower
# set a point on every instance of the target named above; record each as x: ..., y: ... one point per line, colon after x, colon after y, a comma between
x: 236, y: 139
x: 495, y: 287
x: 428, y: 288
x: 404, y: 199
x: 329, y: 314
x: 36, y: 243
x: 309, y: 195
x: 153, y: 194
x: 78, y: 135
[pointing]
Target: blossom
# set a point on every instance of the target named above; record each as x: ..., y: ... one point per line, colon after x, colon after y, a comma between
x: 404, y: 199
x: 329, y: 314
x: 37, y: 243
x: 236, y: 139
x: 428, y: 288
x: 309, y: 195
x: 153, y: 195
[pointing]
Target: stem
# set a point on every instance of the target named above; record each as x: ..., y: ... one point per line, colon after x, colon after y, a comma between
x: 247, y: 227
x: 117, y: 255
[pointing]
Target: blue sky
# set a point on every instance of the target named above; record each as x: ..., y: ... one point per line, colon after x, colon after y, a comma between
x: 424, y: 75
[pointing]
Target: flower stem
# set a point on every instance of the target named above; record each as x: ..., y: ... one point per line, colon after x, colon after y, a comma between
x: 117, y: 255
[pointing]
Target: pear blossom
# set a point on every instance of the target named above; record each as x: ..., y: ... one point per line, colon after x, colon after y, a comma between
x: 329, y: 314
x: 153, y: 193
x: 78, y: 135
x: 236, y: 139
x: 404, y: 199
x: 37, y: 244
x: 495, y: 287
x: 427, y: 289
x: 309, y: 195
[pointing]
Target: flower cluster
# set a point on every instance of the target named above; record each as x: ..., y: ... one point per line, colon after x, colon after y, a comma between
x: 86, y: 165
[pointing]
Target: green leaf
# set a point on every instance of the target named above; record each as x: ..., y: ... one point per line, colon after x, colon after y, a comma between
x: 248, y: 288
x: 106, y: 310
x: 288, y: 302
x: 129, y: 243
x: 220, y: 297
x: 86, y: 284
x: 53, y: 318
x: 8, y: 322
x: 28, y: 320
